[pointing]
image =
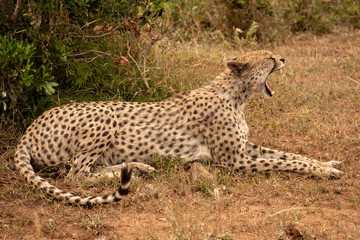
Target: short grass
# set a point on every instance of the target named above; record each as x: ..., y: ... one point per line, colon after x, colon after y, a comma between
x: 315, y: 112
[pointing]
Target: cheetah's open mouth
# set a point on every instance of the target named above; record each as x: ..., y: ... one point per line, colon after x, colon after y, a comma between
x: 268, y: 90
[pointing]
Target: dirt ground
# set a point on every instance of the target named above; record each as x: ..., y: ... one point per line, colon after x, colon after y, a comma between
x: 315, y: 112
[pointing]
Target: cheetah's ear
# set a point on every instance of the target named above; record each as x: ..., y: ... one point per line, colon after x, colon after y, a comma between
x: 235, y: 65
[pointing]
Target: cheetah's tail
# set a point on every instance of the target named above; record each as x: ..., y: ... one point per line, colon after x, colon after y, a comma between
x: 23, y: 165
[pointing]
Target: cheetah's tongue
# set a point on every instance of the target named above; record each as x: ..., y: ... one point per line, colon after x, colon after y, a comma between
x: 268, y: 89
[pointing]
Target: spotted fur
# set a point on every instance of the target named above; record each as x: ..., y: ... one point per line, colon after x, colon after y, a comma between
x: 205, y: 124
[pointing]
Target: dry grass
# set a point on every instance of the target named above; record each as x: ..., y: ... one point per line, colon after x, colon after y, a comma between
x: 315, y: 112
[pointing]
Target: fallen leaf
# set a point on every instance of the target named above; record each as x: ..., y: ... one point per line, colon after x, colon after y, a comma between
x: 98, y: 29
x: 171, y: 89
x: 124, y: 61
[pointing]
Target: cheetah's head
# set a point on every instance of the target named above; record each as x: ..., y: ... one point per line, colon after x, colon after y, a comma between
x: 254, y: 68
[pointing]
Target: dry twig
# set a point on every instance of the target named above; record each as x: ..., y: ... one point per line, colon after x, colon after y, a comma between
x: 112, y: 32
x: 17, y: 10
x: 291, y: 209
x: 353, y: 80
x: 99, y: 54
x: 142, y: 56
x: 142, y: 73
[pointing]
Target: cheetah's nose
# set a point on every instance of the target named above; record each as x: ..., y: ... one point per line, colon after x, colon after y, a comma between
x: 282, y: 59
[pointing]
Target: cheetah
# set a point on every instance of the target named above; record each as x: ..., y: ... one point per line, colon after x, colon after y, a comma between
x: 206, y: 124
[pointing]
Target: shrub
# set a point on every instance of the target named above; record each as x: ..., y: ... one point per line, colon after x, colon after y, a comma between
x: 349, y: 12
x: 20, y: 78
x: 203, y: 20
x: 72, y: 46
x: 101, y: 49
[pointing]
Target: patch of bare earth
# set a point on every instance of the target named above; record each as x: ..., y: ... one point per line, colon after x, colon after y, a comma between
x: 315, y: 112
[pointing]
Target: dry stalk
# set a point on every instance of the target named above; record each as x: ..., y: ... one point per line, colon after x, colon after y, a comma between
x: 141, y: 64
x: 37, y: 225
x: 17, y: 10
x: 353, y: 80
x: 142, y: 72
x: 112, y: 32
x: 99, y: 54
x: 291, y: 209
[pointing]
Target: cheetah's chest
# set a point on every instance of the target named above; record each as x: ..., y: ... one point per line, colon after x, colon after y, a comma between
x: 242, y: 122
x: 244, y: 128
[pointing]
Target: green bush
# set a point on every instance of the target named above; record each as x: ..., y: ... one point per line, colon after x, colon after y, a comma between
x: 72, y: 46
x: 95, y: 50
x: 203, y: 20
x: 320, y: 16
x: 349, y: 12
x: 308, y: 16
x: 20, y: 78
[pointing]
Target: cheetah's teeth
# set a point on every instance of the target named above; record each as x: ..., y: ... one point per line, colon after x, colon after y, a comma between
x: 268, y: 89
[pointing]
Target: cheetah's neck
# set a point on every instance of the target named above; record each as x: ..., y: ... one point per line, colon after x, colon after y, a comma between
x: 231, y: 88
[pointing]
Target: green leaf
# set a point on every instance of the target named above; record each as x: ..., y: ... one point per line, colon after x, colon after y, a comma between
x: 14, y: 74
x: 143, y: 22
x: 49, y: 87
x: 4, y: 105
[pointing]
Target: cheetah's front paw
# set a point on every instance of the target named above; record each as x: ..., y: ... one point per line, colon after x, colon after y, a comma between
x: 332, y: 173
x: 334, y: 164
